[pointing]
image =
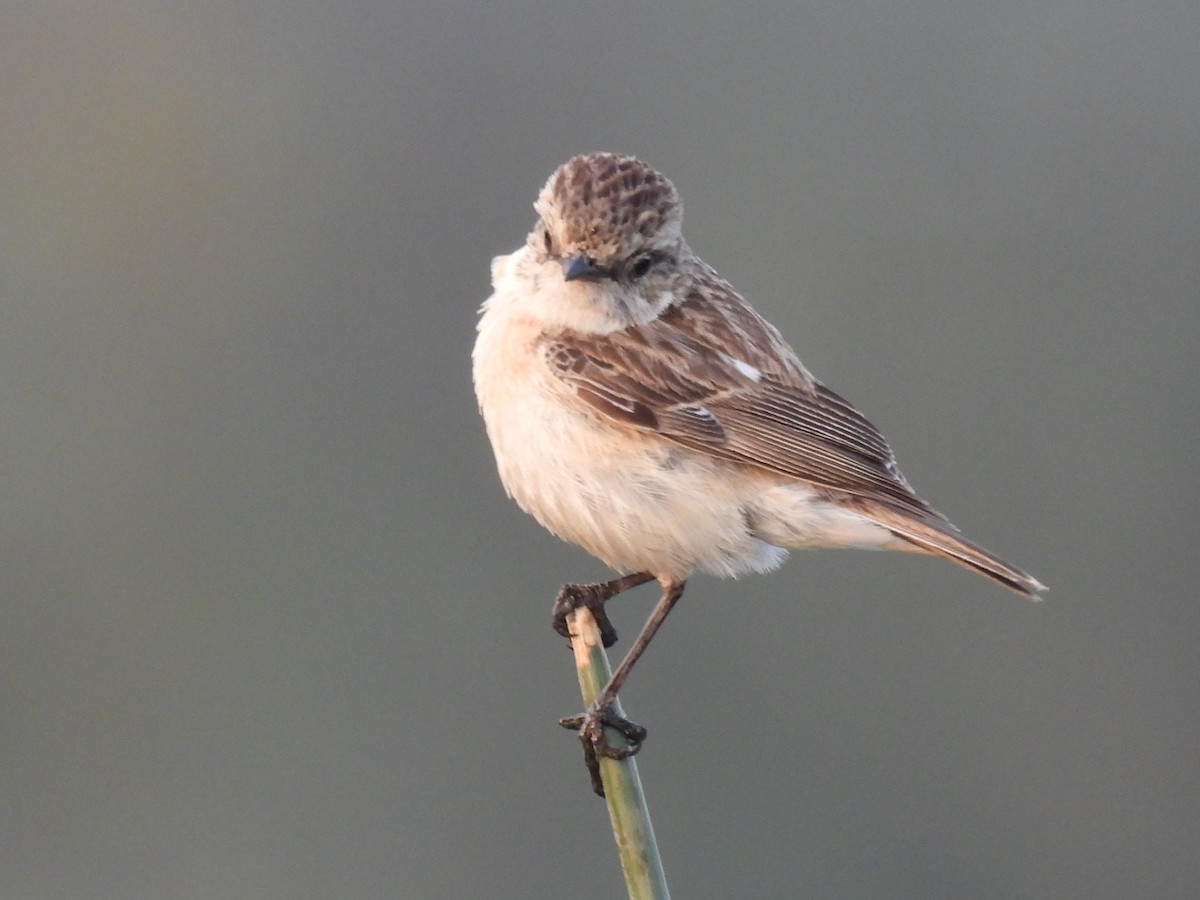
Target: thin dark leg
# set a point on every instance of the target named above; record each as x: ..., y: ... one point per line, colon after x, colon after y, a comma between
x: 592, y: 723
x: 671, y: 594
x: 593, y: 596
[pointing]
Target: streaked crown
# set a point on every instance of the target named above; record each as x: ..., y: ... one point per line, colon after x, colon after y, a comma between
x: 606, y: 205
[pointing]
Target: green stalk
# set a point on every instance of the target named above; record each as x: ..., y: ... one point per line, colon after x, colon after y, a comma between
x: 644, y: 876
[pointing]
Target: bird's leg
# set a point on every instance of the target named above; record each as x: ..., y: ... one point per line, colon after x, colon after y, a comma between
x: 600, y: 715
x: 594, y: 596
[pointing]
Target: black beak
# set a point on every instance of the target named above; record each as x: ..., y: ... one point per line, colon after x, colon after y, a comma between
x: 580, y: 268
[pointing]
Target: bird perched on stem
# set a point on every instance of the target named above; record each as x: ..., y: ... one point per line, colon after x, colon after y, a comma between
x: 640, y: 408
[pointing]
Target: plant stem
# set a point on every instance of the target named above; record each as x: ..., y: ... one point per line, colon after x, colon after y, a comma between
x: 634, y: 834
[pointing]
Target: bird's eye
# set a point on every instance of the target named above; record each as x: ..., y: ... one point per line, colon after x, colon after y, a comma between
x: 641, y: 267
x: 547, y: 241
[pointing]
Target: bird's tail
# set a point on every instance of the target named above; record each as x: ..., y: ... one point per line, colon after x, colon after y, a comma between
x: 939, y: 538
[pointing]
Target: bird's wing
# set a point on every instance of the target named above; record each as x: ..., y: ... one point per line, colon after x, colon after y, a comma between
x: 735, y: 392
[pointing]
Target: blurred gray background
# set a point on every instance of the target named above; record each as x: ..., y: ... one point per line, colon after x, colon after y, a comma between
x: 269, y: 627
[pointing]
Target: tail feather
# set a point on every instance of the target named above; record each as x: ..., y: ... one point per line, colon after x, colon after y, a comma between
x: 938, y: 537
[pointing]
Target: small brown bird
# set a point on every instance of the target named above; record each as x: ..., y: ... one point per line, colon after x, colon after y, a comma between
x: 640, y: 408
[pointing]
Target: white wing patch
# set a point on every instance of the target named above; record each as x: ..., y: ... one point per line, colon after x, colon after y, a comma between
x: 745, y: 368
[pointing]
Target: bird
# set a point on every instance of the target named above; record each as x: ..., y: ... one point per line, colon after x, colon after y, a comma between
x: 640, y: 408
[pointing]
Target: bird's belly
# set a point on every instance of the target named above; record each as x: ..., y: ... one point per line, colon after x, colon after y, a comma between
x: 626, y: 497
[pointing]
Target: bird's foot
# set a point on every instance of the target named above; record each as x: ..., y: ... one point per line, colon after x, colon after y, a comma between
x: 590, y: 726
x: 591, y: 596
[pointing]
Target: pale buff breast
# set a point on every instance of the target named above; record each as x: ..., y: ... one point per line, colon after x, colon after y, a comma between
x: 626, y: 497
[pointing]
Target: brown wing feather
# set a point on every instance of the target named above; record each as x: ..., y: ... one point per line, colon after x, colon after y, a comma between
x: 794, y: 434
x: 680, y: 377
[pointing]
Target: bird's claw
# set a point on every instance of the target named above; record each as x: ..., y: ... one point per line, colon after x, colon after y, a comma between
x: 590, y: 726
x: 591, y: 596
